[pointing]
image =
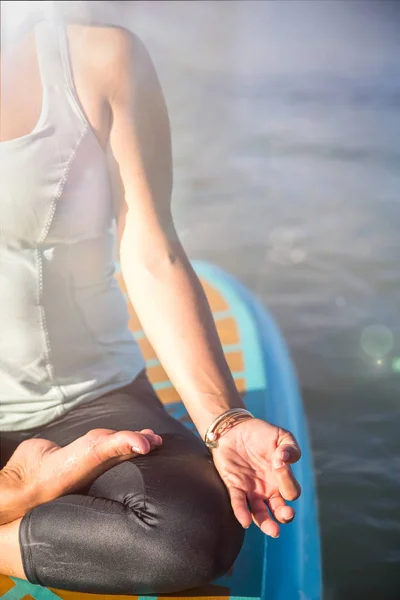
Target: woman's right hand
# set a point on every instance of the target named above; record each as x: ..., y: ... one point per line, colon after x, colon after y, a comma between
x: 40, y: 470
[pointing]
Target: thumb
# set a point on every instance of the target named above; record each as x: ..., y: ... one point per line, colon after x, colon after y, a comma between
x: 287, y: 451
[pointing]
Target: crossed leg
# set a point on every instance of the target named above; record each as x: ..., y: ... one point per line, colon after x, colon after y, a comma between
x: 156, y: 523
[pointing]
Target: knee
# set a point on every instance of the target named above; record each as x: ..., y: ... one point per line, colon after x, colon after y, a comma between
x: 216, y: 538
x: 212, y: 551
x: 203, y: 542
x: 191, y: 534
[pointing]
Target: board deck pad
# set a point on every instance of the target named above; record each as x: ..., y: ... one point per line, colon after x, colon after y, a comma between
x: 237, y: 331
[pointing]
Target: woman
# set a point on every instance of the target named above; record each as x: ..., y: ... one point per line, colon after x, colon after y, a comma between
x: 92, y: 499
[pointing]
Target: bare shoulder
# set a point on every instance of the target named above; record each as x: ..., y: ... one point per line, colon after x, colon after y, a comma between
x: 115, y: 56
x: 107, y: 46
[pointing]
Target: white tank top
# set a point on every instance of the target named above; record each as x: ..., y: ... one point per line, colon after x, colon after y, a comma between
x: 64, y: 336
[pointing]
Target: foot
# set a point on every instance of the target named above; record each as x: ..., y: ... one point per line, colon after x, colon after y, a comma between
x: 40, y: 470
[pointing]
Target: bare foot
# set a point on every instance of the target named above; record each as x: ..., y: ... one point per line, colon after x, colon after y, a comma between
x: 40, y: 470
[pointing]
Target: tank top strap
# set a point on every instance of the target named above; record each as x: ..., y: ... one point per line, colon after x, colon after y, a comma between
x: 53, y: 53
x: 65, y: 59
x: 49, y: 54
x: 55, y: 65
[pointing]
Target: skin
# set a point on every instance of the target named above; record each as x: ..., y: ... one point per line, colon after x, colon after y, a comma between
x: 123, y: 101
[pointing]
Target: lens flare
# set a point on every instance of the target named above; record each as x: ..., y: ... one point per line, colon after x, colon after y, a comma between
x: 285, y: 237
x: 396, y: 364
x: 283, y: 246
x: 377, y: 341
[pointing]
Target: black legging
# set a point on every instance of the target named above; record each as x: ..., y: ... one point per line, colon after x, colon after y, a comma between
x: 157, y: 523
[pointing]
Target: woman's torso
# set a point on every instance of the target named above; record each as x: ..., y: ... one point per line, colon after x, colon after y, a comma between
x: 64, y: 336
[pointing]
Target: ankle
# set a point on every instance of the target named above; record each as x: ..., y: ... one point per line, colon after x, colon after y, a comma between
x: 16, y: 499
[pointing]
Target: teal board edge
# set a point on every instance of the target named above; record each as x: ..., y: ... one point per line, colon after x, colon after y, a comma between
x: 292, y: 564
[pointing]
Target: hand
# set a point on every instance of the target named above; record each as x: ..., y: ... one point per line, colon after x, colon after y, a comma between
x: 40, y: 470
x: 253, y: 459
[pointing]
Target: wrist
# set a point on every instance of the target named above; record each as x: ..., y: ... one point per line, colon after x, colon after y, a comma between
x: 209, y: 411
x: 208, y: 407
x: 224, y: 423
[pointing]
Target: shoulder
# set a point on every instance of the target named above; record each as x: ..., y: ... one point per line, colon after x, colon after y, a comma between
x: 112, y: 44
x: 104, y: 43
x: 116, y: 56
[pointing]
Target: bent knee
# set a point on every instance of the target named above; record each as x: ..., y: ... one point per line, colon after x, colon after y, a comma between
x: 212, y: 558
x: 192, y: 560
x: 217, y: 535
x: 202, y: 544
x: 189, y: 522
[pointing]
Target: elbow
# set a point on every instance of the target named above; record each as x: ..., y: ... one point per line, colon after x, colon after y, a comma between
x: 153, y: 249
x: 153, y: 262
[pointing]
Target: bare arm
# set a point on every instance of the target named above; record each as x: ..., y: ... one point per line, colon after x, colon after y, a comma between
x: 162, y: 285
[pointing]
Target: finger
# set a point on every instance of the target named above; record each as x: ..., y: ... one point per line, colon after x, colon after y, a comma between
x: 262, y: 518
x: 288, y: 451
x: 153, y: 438
x: 288, y: 485
x: 280, y: 510
x: 239, y: 506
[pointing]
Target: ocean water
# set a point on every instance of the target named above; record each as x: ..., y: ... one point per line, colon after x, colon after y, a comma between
x: 285, y: 121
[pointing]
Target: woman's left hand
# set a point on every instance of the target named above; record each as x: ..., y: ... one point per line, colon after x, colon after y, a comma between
x: 253, y: 459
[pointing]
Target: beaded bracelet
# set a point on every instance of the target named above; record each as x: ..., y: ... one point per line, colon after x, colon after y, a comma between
x: 224, y: 423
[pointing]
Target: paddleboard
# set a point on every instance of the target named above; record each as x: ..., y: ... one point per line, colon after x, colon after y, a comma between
x: 288, y: 568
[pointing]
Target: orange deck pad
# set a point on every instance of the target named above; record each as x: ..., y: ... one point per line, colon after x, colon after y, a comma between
x: 227, y: 331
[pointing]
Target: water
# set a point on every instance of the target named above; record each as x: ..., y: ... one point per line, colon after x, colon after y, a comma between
x: 286, y: 124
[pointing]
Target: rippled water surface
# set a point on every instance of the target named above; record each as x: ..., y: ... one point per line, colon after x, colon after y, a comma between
x: 286, y: 128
